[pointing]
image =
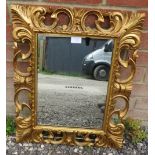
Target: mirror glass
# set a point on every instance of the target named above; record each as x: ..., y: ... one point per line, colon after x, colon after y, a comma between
x: 73, y: 74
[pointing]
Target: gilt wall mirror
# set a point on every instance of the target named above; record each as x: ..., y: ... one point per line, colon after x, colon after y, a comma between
x: 69, y: 79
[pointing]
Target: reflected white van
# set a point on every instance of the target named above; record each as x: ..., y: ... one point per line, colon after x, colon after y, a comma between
x: 98, y: 62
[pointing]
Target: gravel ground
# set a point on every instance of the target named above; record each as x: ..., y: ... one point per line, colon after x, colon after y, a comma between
x: 70, y: 101
x: 12, y: 148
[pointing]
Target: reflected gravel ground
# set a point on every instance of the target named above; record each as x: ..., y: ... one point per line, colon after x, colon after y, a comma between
x: 65, y: 109
x: 70, y: 101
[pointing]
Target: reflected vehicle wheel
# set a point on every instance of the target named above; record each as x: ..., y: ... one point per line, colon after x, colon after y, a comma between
x: 101, y: 73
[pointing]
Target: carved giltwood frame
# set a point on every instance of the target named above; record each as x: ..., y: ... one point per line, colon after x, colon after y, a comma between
x: 125, y: 28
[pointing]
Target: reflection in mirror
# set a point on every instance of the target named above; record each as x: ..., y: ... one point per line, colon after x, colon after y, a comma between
x: 73, y: 75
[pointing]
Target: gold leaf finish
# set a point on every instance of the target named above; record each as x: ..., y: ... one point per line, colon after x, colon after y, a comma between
x: 125, y: 28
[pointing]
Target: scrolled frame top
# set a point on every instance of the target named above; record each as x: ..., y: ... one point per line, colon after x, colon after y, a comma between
x: 124, y: 27
x: 33, y: 16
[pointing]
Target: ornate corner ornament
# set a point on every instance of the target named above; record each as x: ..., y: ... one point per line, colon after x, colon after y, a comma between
x: 125, y: 29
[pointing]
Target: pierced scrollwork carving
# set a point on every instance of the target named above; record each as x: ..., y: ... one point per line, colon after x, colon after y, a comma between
x: 125, y: 28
